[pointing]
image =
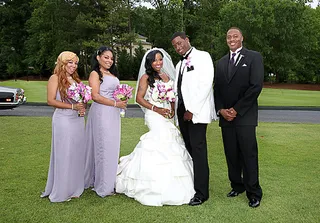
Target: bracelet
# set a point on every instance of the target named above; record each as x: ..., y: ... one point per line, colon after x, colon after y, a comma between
x: 152, y: 107
x: 72, y: 106
x: 115, y: 104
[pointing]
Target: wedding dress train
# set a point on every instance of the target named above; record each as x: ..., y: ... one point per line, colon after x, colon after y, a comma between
x: 160, y: 170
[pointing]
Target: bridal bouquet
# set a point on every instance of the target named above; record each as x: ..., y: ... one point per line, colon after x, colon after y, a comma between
x: 123, y: 92
x: 79, y: 92
x: 162, y: 92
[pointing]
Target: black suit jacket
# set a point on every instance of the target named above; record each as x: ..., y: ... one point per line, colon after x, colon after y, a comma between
x: 241, y: 91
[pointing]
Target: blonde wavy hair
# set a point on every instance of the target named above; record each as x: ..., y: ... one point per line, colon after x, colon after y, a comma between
x: 60, y: 70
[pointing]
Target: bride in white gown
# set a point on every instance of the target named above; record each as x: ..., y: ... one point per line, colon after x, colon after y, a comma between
x: 160, y: 170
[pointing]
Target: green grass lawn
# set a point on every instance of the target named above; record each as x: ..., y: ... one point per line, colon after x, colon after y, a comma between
x: 289, y: 175
x: 286, y: 97
x: 36, y: 91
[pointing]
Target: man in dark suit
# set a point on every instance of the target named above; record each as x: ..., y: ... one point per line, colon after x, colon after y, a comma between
x: 238, y: 83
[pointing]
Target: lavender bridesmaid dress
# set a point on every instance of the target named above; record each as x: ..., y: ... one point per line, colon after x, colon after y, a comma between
x: 66, y: 170
x: 103, y: 142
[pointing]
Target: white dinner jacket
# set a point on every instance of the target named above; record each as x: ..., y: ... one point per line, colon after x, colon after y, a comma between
x: 197, y: 86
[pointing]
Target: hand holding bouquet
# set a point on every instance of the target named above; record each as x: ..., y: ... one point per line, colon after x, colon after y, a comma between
x: 163, y: 91
x: 80, y: 93
x: 123, y: 92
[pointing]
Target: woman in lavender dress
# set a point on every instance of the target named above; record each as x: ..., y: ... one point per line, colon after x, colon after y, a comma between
x: 103, y: 125
x: 66, y: 170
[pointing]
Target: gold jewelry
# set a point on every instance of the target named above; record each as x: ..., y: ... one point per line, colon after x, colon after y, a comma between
x: 105, y: 72
x: 72, y: 106
x: 152, y: 107
x: 115, y: 104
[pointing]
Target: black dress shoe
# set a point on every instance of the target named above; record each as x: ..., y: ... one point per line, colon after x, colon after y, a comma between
x: 233, y: 193
x: 195, y: 201
x: 253, y: 203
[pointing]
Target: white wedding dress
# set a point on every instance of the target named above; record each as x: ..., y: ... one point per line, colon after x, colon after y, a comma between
x: 160, y: 170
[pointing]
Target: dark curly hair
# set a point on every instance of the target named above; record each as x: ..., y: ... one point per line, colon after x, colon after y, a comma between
x: 152, y: 74
x: 95, y: 64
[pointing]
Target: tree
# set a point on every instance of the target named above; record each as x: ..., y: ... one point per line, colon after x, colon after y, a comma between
x: 274, y: 28
x: 138, y: 56
x: 13, y: 15
x: 50, y: 33
x: 309, y: 69
x: 206, y: 13
x: 124, y: 65
x: 79, y: 26
x: 34, y: 32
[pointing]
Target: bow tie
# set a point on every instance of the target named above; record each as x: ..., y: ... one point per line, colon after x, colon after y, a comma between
x: 183, y: 58
x: 186, y: 56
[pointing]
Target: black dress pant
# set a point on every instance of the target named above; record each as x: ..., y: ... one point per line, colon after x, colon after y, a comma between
x: 194, y: 136
x: 241, y: 150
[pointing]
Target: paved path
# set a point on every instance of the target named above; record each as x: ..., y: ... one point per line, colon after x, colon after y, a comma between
x: 266, y: 114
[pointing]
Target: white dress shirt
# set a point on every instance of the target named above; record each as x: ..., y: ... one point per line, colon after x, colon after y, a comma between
x: 237, y: 54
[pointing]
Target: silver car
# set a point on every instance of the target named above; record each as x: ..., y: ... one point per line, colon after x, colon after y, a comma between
x: 11, y: 97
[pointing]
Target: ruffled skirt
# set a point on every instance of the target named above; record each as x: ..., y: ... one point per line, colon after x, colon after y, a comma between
x: 160, y: 170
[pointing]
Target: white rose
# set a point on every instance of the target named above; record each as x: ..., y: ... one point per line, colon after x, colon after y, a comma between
x: 170, y: 94
x: 155, y: 94
x: 72, y: 86
x: 77, y: 97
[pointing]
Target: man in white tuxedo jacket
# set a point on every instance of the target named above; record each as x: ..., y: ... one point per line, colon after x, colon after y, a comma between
x: 194, y: 108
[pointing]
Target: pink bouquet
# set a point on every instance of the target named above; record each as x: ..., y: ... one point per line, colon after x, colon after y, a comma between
x: 162, y: 92
x: 123, y: 92
x: 79, y: 92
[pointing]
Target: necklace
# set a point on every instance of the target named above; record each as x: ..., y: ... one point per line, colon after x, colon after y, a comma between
x: 105, y: 72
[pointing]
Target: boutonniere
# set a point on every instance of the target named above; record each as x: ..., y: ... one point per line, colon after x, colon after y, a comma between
x: 240, y: 57
x: 188, y: 64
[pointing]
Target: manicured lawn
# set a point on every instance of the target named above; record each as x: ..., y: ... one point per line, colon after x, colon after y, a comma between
x: 286, y: 97
x: 289, y: 169
x: 36, y: 92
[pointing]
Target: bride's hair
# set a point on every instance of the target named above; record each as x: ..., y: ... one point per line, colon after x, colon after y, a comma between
x: 152, y: 74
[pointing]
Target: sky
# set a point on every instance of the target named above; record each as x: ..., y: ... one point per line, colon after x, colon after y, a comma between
x: 314, y: 4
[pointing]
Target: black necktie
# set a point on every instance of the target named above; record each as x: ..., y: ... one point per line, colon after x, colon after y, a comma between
x: 231, y: 65
x: 232, y: 58
x: 180, y: 98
